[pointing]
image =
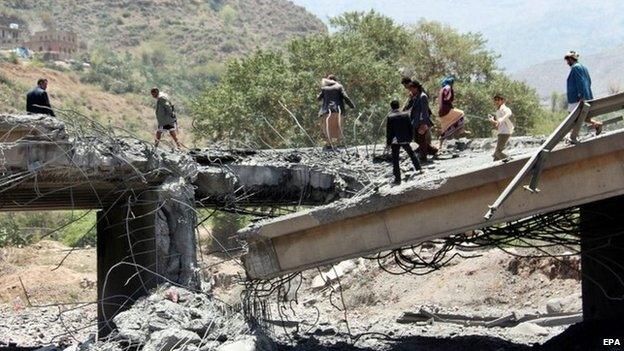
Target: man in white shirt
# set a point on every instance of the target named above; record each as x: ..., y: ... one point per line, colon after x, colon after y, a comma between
x: 504, y: 125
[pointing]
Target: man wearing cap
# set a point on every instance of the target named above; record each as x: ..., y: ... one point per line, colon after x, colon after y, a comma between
x: 37, y: 100
x: 579, y: 91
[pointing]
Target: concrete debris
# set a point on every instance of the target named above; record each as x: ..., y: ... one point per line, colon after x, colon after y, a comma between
x: 530, y: 329
x: 511, y: 320
x: 171, y: 339
x: 31, y: 127
x: 250, y: 343
x: 175, y: 231
x: 335, y: 272
x: 571, y: 303
x: 157, y: 322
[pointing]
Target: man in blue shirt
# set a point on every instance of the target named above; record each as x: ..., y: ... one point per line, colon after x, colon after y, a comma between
x: 579, y: 91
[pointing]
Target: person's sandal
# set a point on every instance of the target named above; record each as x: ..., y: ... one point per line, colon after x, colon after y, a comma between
x: 598, y: 129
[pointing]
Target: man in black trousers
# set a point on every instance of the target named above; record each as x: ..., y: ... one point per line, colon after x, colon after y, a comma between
x: 399, y: 134
x: 37, y: 100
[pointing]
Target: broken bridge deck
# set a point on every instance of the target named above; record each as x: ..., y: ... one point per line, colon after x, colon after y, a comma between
x: 431, y: 207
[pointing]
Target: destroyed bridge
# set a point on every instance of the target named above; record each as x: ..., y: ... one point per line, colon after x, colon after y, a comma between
x: 147, y: 200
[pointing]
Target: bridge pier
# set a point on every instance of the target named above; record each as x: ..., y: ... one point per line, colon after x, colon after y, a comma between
x: 145, y: 239
x: 602, y: 260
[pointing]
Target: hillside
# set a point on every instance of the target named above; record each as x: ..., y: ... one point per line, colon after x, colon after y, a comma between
x: 550, y: 76
x: 130, y: 111
x: 201, y: 31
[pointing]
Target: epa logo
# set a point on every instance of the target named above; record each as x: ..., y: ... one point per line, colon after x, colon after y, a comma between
x: 611, y: 342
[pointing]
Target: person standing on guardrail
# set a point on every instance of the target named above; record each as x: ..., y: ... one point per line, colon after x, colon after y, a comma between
x: 399, y: 134
x: 502, y: 122
x: 37, y: 100
x: 165, y: 114
x: 579, y: 91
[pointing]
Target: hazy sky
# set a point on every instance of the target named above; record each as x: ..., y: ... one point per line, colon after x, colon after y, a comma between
x: 523, y: 32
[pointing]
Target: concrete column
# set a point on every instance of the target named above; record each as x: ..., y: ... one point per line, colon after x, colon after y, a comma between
x: 144, y: 240
x: 125, y: 244
x: 602, y: 260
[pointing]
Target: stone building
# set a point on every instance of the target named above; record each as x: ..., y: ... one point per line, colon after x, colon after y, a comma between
x: 54, y: 44
x: 10, y: 33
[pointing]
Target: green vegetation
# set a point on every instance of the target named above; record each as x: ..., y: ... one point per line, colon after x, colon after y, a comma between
x: 73, y: 228
x: 368, y: 52
x: 179, y: 45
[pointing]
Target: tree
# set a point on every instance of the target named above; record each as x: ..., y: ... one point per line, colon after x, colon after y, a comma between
x: 368, y: 52
x: 437, y: 50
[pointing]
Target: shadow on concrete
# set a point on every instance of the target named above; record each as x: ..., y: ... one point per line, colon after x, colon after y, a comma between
x: 420, y: 343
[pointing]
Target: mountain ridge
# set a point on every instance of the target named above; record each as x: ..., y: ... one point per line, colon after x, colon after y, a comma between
x: 604, y: 67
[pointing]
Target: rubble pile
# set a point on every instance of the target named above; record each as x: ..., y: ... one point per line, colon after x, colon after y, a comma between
x: 173, y: 318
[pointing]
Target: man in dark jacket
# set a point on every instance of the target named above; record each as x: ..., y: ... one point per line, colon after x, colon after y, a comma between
x: 332, y: 111
x: 399, y: 134
x: 37, y: 101
x: 420, y: 115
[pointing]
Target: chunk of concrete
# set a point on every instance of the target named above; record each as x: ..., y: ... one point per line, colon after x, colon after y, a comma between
x: 252, y: 343
x: 530, y: 329
x: 567, y: 304
x: 170, y: 339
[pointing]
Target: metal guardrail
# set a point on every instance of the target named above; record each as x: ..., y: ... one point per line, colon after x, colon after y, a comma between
x: 533, y: 167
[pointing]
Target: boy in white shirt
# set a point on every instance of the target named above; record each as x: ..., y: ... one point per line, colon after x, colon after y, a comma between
x: 505, y: 127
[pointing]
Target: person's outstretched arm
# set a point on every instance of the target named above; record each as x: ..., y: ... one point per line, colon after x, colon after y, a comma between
x: 347, y: 99
x: 46, y: 102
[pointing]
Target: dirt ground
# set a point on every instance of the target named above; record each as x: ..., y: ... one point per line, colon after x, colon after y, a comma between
x: 492, y: 284
x: 364, y: 316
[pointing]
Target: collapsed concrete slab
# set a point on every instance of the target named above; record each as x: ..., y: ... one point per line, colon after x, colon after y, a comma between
x: 31, y: 127
x: 431, y: 206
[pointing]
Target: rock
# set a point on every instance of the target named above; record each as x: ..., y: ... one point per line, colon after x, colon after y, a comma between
x: 334, y: 273
x: 325, y: 331
x: 530, y: 329
x: 568, y: 304
x: 209, y: 346
x: 252, y: 343
x: 169, y: 339
x: 194, y: 313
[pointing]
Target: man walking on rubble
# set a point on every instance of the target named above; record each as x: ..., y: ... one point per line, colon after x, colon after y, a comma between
x: 332, y: 112
x: 165, y: 114
x: 504, y: 125
x: 399, y: 134
x: 420, y: 115
x: 579, y: 91
x: 37, y: 100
